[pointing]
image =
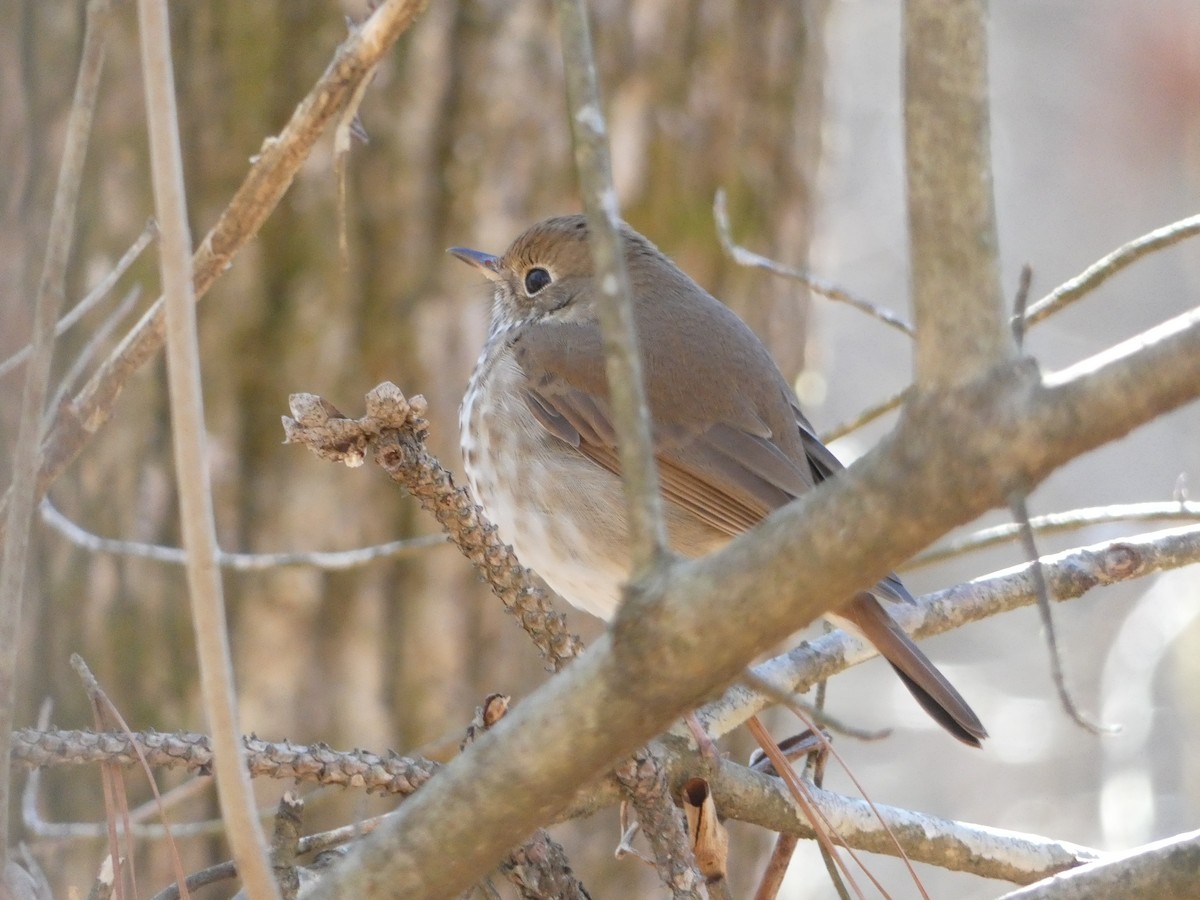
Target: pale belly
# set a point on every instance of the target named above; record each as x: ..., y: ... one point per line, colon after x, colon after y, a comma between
x: 562, y: 515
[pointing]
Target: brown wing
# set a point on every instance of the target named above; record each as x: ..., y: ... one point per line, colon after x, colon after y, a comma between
x: 729, y: 474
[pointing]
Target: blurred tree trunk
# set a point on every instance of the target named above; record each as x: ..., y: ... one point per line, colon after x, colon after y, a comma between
x: 468, y: 145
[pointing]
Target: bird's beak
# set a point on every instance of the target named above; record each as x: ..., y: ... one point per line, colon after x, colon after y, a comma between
x: 486, y: 263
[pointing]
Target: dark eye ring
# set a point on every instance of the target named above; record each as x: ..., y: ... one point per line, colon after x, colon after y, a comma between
x: 535, y: 280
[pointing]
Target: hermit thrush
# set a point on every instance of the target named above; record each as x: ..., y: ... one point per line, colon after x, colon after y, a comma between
x: 730, y: 440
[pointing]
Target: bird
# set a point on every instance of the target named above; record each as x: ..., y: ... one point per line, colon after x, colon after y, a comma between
x: 730, y: 440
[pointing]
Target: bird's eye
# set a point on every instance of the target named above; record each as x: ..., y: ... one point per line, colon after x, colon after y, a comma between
x: 535, y: 280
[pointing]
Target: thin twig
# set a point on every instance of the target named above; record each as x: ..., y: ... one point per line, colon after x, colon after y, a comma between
x: 75, y: 831
x: 93, y: 297
x: 23, y: 493
x: 223, y: 871
x: 631, y: 417
x: 819, y: 716
x: 819, y: 286
x: 311, y: 763
x: 1103, y: 269
x: 332, y: 560
x: 1020, y: 511
x: 97, y: 340
x: 1087, y: 517
x: 823, y: 829
x: 867, y: 416
x: 205, y: 593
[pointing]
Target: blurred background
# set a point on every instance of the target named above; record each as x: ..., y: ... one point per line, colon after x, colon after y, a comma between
x: 794, y: 109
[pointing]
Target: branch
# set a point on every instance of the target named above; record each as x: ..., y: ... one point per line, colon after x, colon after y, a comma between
x: 312, y: 763
x: 962, y: 329
x: 205, y: 594
x: 988, y: 852
x: 952, y: 457
x: 819, y: 286
x: 1103, y: 269
x: 328, y: 560
x: 394, y: 429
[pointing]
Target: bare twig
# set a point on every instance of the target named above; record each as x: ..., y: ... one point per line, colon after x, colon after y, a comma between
x: 211, y: 875
x: 332, y: 560
x: 985, y: 851
x: 205, y: 593
x: 1020, y: 511
x: 819, y: 286
x: 777, y: 866
x: 314, y: 764
x: 867, y: 416
x: 824, y: 830
x: 1051, y: 523
x: 631, y: 416
x: 93, y: 297
x: 14, y: 557
x: 106, y: 712
x: 97, y: 340
x: 1103, y: 269
x: 72, y: 831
